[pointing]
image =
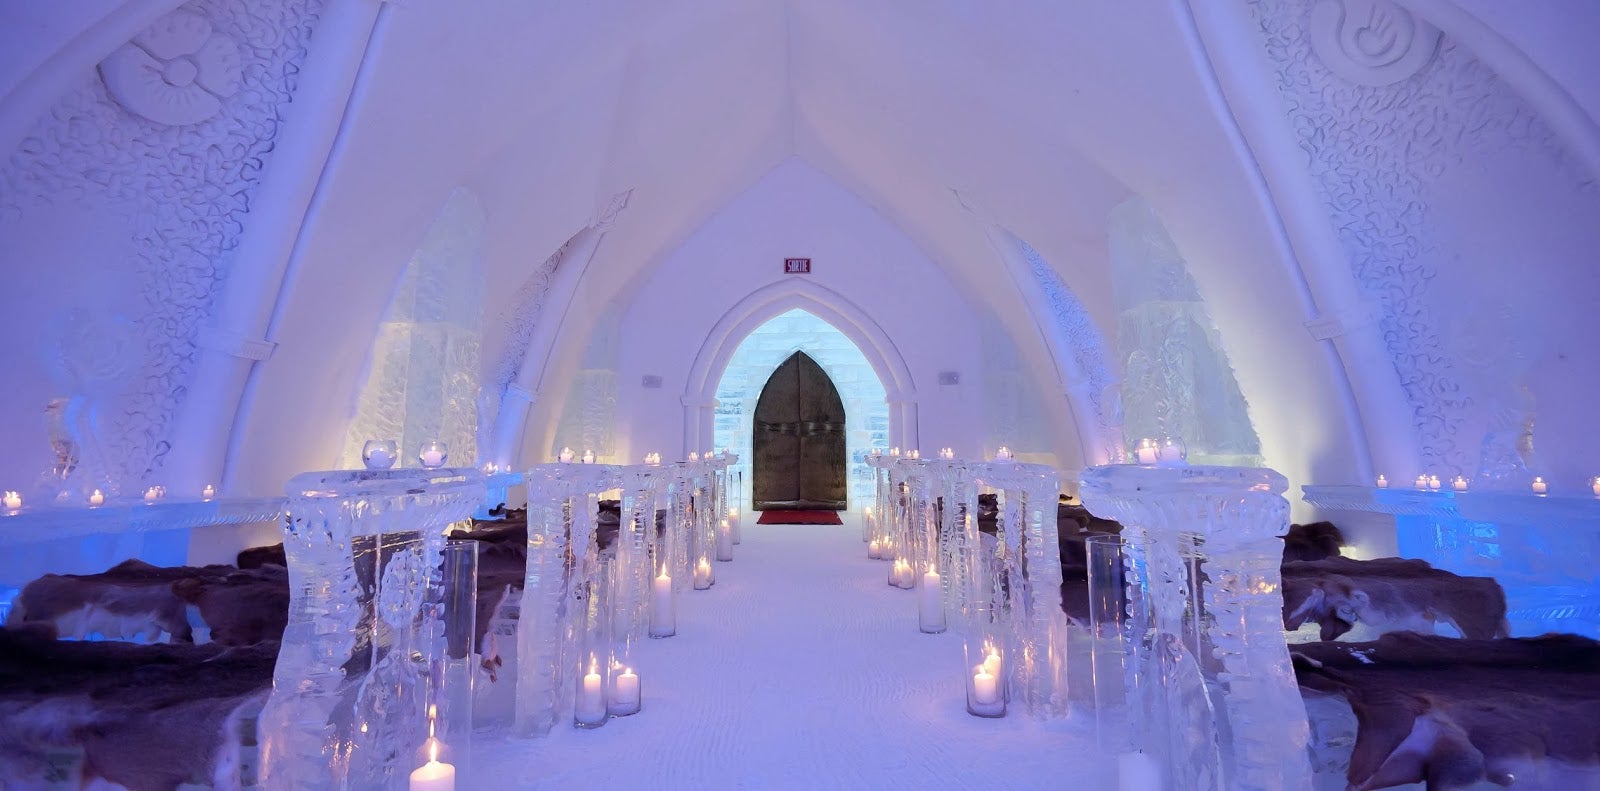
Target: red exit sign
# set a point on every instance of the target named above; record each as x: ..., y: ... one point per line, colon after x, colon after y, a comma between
x: 797, y: 266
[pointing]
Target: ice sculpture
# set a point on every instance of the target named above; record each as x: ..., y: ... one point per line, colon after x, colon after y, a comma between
x: 1027, y: 558
x: 349, y: 701
x: 1214, y: 698
x: 1541, y: 549
x: 563, y: 567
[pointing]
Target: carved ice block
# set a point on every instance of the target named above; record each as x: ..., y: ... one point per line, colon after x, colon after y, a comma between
x: 1030, y: 554
x: 1222, y: 706
x: 348, y: 702
x: 561, y: 550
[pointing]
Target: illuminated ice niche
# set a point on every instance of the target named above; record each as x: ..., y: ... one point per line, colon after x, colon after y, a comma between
x: 866, y: 406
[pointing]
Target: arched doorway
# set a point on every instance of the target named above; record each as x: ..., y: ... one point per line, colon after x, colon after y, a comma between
x: 798, y: 439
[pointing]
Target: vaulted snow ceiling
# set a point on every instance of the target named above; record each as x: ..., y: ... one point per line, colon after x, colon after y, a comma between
x: 1347, y: 217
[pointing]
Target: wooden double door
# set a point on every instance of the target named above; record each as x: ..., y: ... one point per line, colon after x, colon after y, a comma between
x: 798, y: 447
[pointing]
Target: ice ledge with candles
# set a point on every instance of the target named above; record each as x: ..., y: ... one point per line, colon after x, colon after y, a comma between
x: 1212, y: 696
x: 1542, y: 548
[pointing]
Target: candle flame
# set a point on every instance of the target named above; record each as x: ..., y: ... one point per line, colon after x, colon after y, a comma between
x: 433, y: 751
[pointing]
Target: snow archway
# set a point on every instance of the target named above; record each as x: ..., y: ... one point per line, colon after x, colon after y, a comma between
x: 866, y: 406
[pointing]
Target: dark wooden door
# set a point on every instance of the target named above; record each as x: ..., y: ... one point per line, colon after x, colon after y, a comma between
x: 798, y: 447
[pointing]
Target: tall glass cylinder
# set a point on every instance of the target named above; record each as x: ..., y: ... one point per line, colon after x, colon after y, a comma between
x: 452, y: 600
x: 1109, y: 647
x: 623, y: 693
x: 985, y: 672
x: 594, y: 667
x: 724, y: 541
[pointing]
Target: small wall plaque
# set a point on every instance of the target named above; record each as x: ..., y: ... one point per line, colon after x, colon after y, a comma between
x: 652, y: 381
x: 797, y: 266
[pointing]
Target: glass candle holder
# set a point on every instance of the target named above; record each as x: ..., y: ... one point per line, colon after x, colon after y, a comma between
x: 1172, y: 450
x: 380, y: 454
x: 704, y: 576
x: 433, y: 455
x: 1147, y: 452
x: 594, y: 668
x: 451, y: 600
x: 985, y: 670
x: 724, y: 542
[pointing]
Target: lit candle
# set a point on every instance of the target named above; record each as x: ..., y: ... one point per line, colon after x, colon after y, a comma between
x: 1148, y: 453
x: 626, y: 693
x: 13, y: 501
x: 1539, y: 486
x: 1171, y: 451
x: 872, y: 549
x: 662, y: 621
x: 1433, y: 482
x: 1594, y: 486
x: 152, y: 494
x: 1383, y: 483
x: 591, y: 707
x: 1003, y: 454
x: 991, y: 663
x: 208, y: 493
x: 1422, y: 481
x: 894, y: 451
x: 431, y: 457
x: 1138, y: 772
x: 866, y: 525
x: 985, y: 687
x: 1459, y: 484
x: 702, y: 575
x: 565, y: 456
x: 96, y: 499
x: 916, y: 454
x: 930, y: 612
x: 433, y: 775
x: 724, y: 541
x: 693, y: 456
x: 733, y: 516
x: 588, y: 457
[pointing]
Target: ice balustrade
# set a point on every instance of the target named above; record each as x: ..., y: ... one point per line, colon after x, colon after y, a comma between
x: 1212, y: 701
x: 1020, y: 573
x: 352, y: 703
x: 1541, y: 548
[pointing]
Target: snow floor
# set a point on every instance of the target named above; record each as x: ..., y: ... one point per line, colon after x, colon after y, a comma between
x: 802, y: 668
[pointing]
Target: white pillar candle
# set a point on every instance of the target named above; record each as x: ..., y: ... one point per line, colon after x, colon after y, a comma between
x: 1459, y: 484
x: 626, y: 695
x: 1422, y: 481
x: 930, y: 608
x: 434, y: 775
x: 1138, y: 772
x: 591, y: 708
x: 96, y: 499
x: 1147, y: 453
x: 432, y: 458
x: 733, y: 516
x: 724, y: 541
x: 208, y: 493
x: 1433, y: 483
x: 565, y: 455
x: 662, y: 621
x: 13, y: 501
x: 873, y: 549
x: 588, y: 457
x: 702, y: 575
x: 985, y: 687
x: 1540, y: 487
x: 1383, y: 483
x: 991, y: 663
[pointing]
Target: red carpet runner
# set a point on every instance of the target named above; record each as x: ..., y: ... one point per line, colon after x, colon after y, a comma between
x: 799, y: 518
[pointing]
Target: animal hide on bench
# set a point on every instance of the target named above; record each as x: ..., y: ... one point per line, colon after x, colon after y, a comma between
x: 1452, y: 712
x: 147, y: 717
x: 1390, y: 594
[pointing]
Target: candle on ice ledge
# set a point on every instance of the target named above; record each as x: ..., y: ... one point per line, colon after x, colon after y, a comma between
x: 565, y: 456
x: 1459, y: 484
x: 693, y: 457
x: 1433, y: 483
x: 1003, y: 455
x: 1171, y: 450
x: 434, y: 775
x: 152, y: 494
x: 1422, y: 481
x: 1539, y: 486
x: 1383, y: 483
x: 1147, y: 452
x: 930, y: 610
x: 588, y: 457
x: 13, y: 501
x: 894, y: 451
x: 96, y: 499
x: 209, y: 493
x: 947, y: 454
x: 591, y: 707
x: 662, y: 621
x: 1594, y: 486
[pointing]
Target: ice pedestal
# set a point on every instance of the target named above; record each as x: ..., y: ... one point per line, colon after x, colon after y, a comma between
x: 349, y: 701
x: 561, y: 577
x: 1214, y: 698
x: 1541, y: 549
x: 1027, y: 555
